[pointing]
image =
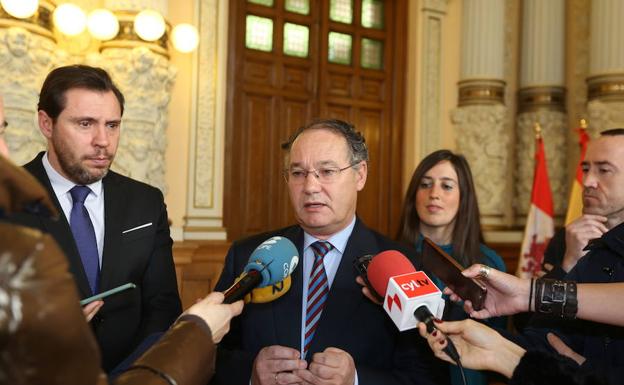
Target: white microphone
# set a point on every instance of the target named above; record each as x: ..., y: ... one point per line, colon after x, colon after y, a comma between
x: 410, y: 296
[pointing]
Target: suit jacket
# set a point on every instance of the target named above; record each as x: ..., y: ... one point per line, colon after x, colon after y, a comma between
x: 142, y: 256
x: 349, y: 320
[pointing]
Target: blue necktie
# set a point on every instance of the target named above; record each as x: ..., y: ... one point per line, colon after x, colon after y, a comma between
x: 84, y: 235
x: 318, y: 289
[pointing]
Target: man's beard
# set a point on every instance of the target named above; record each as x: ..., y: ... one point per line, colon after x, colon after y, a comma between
x: 73, y: 168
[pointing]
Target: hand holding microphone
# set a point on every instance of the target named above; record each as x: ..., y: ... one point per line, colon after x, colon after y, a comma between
x: 409, y: 295
x: 481, y: 347
x: 216, y: 314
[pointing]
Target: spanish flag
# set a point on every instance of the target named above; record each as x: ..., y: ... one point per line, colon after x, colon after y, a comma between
x: 575, y: 203
x: 540, y: 225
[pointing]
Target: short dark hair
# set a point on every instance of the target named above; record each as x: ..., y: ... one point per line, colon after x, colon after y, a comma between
x: 612, y: 132
x: 467, y: 235
x: 355, y: 140
x: 52, y: 98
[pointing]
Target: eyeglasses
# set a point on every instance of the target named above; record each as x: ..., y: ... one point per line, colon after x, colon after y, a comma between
x: 3, y: 126
x: 323, y: 175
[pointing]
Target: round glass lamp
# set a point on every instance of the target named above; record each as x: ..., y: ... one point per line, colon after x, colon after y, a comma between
x: 21, y: 9
x: 185, y: 37
x: 149, y: 25
x: 70, y: 19
x: 102, y: 24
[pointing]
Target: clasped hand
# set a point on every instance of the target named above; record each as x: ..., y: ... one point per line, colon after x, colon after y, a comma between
x: 282, y: 365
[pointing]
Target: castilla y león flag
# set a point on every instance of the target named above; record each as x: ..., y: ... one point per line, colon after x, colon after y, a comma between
x: 540, y: 225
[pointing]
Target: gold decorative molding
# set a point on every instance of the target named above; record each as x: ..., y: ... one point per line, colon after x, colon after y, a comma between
x: 40, y: 23
x: 128, y: 38
x: 610, y: 87
x: 486, y: 91
x: 548, y: 97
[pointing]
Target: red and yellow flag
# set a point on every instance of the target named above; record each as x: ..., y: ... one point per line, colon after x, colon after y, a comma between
x: 540, y: 225
x: 575, y: 203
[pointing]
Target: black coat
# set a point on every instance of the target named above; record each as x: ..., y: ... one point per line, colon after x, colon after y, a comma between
x: 601, y: 344
x: 541, y: 368
x: 143, y: 256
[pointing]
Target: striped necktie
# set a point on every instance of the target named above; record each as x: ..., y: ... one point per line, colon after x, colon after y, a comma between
x: 318, y: 289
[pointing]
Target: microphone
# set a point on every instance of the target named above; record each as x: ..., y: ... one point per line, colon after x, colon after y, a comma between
x: 271, y: 262
x: 410, y: 295
x: 269, y: 293
x: 403, y: 288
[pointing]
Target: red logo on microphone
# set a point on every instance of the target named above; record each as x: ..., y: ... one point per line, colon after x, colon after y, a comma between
x: 396, y: 300
x: 415, y: 284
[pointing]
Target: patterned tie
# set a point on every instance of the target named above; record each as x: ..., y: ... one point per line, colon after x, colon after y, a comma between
x: 84, y: 235
x: 317, y: 292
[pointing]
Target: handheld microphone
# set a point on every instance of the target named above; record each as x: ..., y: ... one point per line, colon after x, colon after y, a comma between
x: 409, y: 294
x: 271, y: 262
x: 403, y: 288
x: 269, y: 293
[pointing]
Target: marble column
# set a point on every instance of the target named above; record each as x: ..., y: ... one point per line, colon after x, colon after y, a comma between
x: 145, y: 76
x: 481, y: 115
x: 27, y: 53
x: 541, y: 100
x: 606, y: 66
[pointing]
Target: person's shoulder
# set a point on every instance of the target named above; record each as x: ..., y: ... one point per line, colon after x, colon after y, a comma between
x: 35, y: 166
x: 113, y: 178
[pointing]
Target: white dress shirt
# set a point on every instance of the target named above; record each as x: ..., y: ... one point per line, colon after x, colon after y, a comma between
x: 94, y: 201
x: 331, y: 261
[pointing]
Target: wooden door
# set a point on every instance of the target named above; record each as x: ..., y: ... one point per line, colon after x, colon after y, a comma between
x: 294, y: 60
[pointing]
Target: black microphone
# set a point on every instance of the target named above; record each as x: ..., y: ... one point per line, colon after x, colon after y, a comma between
x: 424, y: 315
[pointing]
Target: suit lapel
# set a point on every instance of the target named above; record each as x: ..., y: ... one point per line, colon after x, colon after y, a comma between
x: 60, y: 229
x: 114, y: 208
x: 287, y: 310
x: 344, y: 295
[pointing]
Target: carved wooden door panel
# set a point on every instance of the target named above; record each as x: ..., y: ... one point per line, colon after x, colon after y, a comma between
x: 294, y: 60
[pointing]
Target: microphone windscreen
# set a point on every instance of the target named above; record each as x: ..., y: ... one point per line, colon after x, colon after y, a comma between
x: 276, y: 258
x: 386, y: 265
x: 269, y: 293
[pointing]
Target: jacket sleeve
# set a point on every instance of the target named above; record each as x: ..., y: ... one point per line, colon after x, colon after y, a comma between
x: 537, y: 368
x: 233, y: 363
x: 185, y: 355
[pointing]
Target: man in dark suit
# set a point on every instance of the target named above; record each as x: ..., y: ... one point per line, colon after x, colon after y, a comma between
x: 323, y: 330
x: 114, y: 229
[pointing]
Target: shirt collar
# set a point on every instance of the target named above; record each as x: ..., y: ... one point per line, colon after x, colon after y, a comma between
x: 63, y: 185
x: 338, y: 240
